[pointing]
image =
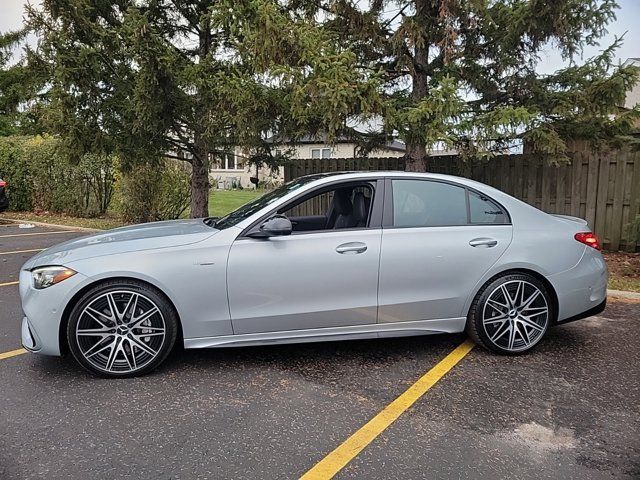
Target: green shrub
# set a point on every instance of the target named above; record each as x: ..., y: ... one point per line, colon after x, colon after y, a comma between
x: 15, y: 171
x: 54, y: 181
x: 151, y: 192
x: 39, y: 178
x: 98, y: 174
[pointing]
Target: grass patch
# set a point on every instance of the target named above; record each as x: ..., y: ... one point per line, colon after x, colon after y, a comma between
x: 222, y: 202
x: 98, y: 223
x: 624, y: 270
x: 624, y: 283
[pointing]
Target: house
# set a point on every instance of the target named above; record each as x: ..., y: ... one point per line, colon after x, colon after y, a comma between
x: 231, y: 171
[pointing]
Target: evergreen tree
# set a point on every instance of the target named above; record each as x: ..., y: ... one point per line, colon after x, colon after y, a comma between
x: 459, y: 72
x: 18, y: 85
x: 158, y: 78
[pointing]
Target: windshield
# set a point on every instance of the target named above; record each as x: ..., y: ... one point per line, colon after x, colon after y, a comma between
x: 258, y: 204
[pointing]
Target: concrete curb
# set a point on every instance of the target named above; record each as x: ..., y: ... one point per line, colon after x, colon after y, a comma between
x: 53, y: 225
x: 623, y: 294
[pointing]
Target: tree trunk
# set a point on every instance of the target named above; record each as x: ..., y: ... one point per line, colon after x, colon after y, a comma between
x: 200, y: 163
x: 416, y: 156
x: 200, y: 182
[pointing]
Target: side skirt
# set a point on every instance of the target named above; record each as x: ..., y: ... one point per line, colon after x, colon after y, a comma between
x: 378, y: 330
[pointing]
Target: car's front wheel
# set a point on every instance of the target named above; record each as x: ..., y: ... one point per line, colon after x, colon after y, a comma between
x: 510, y: 314
x: 122, y: 329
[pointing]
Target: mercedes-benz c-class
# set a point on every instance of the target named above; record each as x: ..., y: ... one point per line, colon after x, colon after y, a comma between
x: 324, y: 257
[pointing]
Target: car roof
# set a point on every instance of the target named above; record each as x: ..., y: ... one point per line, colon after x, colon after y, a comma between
x: 317, y: 179
x: 368, y: 174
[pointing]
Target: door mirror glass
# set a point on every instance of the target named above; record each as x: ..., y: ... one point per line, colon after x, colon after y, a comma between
x: 277, y: 226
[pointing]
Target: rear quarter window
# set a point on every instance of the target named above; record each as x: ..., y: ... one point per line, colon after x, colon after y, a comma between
x: 484, y: 210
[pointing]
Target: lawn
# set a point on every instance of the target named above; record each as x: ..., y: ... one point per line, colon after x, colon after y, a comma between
x: 624, y: 270
x: 222, y: 202
x: 57, y: 219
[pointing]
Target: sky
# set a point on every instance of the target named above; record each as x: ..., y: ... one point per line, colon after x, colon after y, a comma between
x: 628, y: 20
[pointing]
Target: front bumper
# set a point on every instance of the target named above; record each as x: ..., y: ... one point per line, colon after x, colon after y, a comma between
x: 30, y: 339
x: 43, y: 310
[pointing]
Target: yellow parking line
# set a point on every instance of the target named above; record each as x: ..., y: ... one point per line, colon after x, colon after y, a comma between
x: 36, y: 233
x: 8, y: 284
x: 22, y: 251
x: 352, y: 446
x: 12, y: 353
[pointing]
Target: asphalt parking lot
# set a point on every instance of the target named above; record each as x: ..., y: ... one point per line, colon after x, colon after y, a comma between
x: 570, y: 409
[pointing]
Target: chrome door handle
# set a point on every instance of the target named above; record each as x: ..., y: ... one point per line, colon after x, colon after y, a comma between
x: 351, y: 247
x: 483, y: 242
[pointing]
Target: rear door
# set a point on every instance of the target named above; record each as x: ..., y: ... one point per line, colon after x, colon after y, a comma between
x: 439, y: 239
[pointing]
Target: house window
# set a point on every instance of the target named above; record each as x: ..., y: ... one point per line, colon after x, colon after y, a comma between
x: 228, y: 161
x: 320, y: 153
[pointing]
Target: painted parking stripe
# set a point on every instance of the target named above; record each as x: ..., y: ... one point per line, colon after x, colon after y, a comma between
x: 22, y: 251
x: 12, y: 353
x: 352, y: 446
x: 7, y: 284
x: 37, y: 233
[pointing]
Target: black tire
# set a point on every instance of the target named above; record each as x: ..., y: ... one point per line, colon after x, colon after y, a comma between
x: 141, y: 292
x: 484, y: 333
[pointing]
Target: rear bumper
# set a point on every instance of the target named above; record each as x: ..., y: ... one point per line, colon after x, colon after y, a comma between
x: 581, y: 289
x: 588, y: 313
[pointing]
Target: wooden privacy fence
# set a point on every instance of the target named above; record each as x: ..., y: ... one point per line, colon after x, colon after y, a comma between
x: 601, y: 187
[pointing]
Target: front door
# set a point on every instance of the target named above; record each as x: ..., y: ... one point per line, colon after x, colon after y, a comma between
x: 325, y: 274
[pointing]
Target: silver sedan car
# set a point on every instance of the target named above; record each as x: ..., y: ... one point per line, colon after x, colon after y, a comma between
x: 324, y: 257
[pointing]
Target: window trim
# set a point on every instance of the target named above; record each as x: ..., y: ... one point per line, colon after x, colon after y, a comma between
x: 321, y: 150
x: 375, y: 219
x: 224, y: 164
x: 387, y: 220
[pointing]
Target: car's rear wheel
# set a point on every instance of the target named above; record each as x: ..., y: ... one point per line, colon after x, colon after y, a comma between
x: 122, y: 329
x: 511, y: 314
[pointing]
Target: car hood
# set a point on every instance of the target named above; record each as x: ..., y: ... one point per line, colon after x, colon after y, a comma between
x: 145, y: 236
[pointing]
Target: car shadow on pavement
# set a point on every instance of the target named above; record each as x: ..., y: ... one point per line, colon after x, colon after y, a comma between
x: 316, y: 361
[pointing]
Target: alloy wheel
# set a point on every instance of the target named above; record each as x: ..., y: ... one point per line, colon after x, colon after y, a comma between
x: 120, y: 331
x: 515, y: 315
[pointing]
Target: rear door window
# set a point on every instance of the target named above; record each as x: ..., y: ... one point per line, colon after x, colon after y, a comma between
x: 423, y: 203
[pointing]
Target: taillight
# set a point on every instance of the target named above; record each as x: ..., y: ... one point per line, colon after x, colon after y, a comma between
x: 3, y: 183
x: 588, y: 238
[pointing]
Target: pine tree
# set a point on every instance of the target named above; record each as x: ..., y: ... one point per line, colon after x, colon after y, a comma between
x: 146, y: 79
x: 156, y: 78
x: 463, y: 73
x: 18, y: 85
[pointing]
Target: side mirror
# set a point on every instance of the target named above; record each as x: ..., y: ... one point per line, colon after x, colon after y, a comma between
x: 277, y: 226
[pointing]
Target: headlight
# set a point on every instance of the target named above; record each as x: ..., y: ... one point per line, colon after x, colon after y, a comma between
x: 44, y: 277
